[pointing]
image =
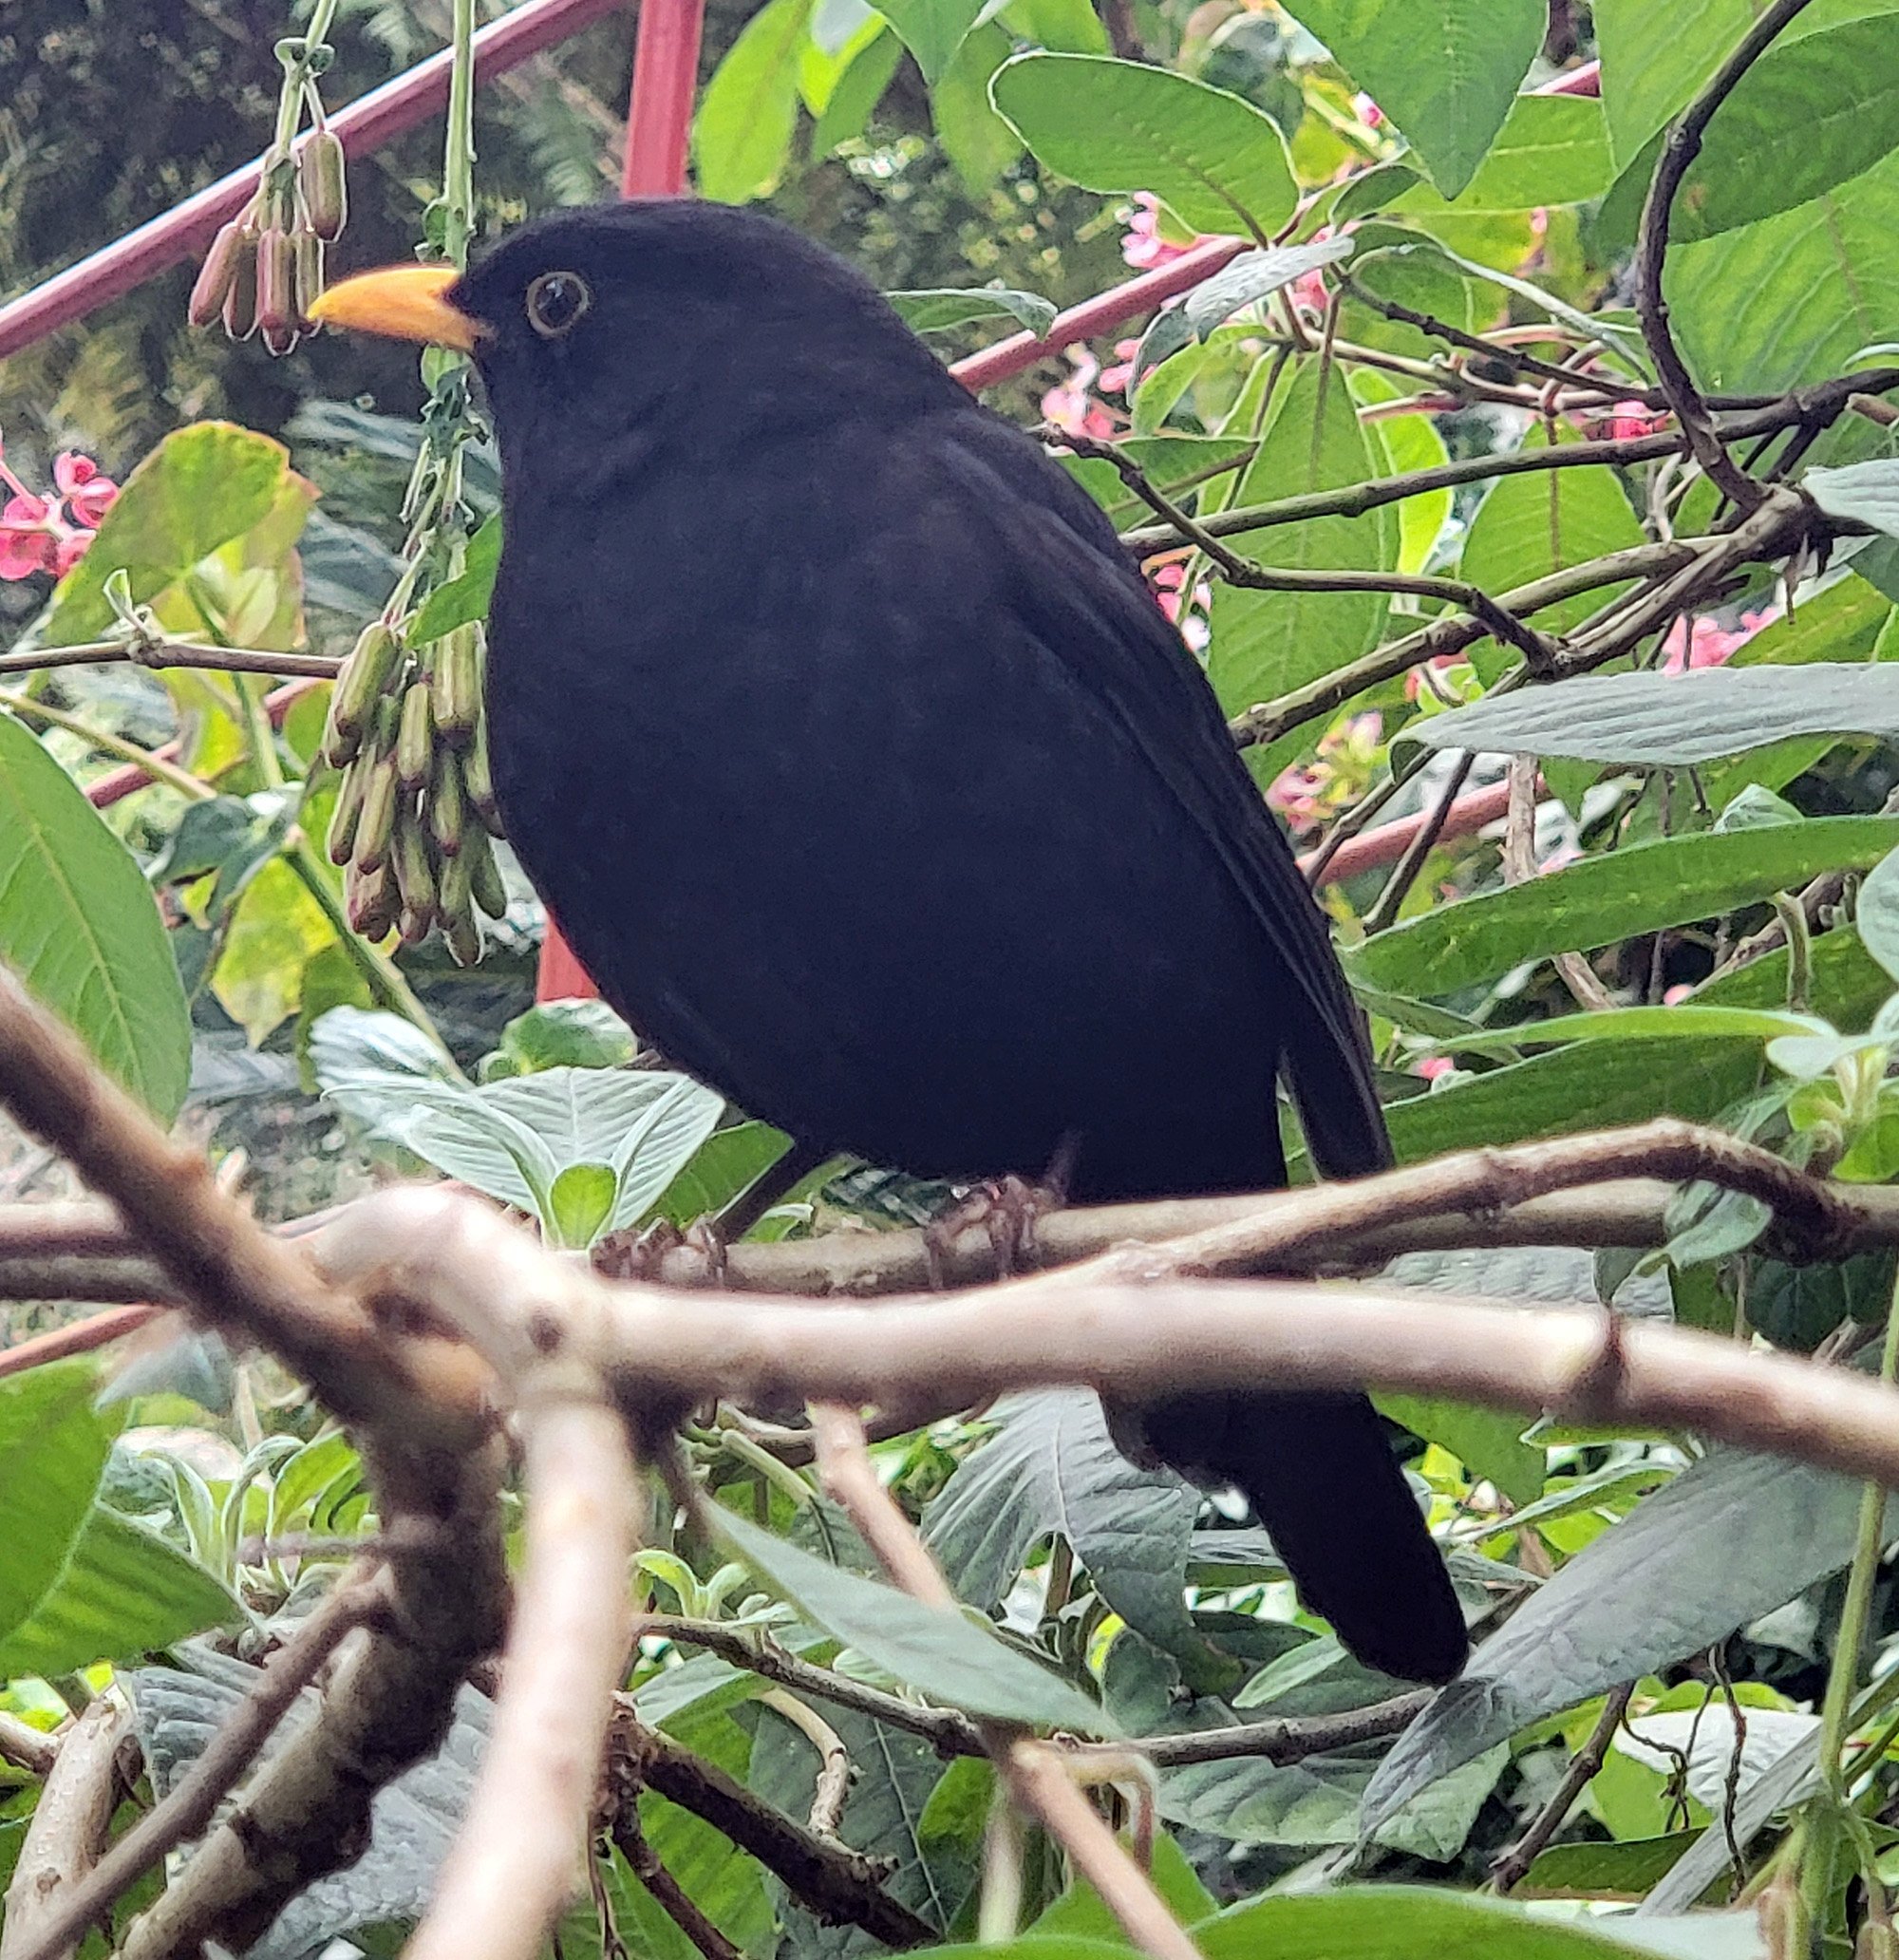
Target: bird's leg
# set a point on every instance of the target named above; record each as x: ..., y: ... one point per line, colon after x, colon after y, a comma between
x: 642, y: 1254
x: 1008, y: 1208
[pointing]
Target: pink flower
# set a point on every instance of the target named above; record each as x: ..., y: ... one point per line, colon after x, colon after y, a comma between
x: 51, y: 533
x: 1142, y: 245
x: 1120, y: 377
x: 1070, y: 405
x: 1700, y: 642
x: 1671, y: 996
x: 1339, y: 774
x: 1367, y: 112
x: 88, y: 496
x: 1630, y: 419
x: 1432, y: 1067
x: 1192, y: 618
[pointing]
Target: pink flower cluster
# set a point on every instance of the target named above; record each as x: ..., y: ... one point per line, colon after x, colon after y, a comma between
x: 51, y: 533
x: 1307, y: 794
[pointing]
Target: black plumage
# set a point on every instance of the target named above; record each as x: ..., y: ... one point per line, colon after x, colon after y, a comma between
x: 869, y: 782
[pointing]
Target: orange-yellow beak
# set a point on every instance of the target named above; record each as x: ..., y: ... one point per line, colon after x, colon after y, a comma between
x: 405, y: 302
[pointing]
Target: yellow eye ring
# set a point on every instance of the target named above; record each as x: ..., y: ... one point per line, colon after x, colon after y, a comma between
x: 556, y: 303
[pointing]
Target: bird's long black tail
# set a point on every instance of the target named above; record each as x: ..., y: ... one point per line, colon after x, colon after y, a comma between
x: 1340, y: 1513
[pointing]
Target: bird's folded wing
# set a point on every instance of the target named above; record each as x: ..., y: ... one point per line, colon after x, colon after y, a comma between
x: 1091, y: 612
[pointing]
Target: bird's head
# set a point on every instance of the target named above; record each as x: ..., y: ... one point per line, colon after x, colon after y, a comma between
x: 617, y: 313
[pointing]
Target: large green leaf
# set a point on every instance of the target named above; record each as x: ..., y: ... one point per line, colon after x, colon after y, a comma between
x: 1732, y: 1537
x: 1824, y: 108
x: 1532, y: 526
x: 1407, y: 1922
x: 1639, y: 889
x: 1445, y: 72
x: 1265, y: 643
x: 1052, y: 1466
x: 1552, y: 149
x: 122, y: 1591
x: 1675, y: 719
x: 741, y: 133
x: 1655, y: 58
x: 1794, y: 297
x: 1582, y: 1087
x: 946, y: 1655
x: 974, y: 137
x: 53, y: 1445
x: 932, y: 30
x: 199, y: 489
x: 931, y: 310
x: 78, y: 924
x: 1121, y: 126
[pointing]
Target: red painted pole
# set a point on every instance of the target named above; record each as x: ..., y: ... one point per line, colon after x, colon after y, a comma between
x: 183, y: 232
x: 659, y: 129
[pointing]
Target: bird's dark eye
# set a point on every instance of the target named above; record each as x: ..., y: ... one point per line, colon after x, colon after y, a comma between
x: 556, y: 302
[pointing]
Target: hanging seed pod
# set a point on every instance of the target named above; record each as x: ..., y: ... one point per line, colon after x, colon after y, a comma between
x: 447, y: 804
x: 324, y: 184
x: 455, y: 889
x: 415, y: 738
x: 484, y: 877
x: 217, y: 277
x: 455, y: 674
x: 276, y: 290
x: 241, y: 297
x: 365, y: 675
x: 415, y: 879
x: 307, y: 253
x: 376, y: 825
x: 341, y: 842
x: 479, y: 782
x: 464, y: 940
x: 373, y: 903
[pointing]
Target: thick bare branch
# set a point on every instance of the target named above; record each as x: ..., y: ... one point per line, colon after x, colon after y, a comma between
x: 67, y: 1833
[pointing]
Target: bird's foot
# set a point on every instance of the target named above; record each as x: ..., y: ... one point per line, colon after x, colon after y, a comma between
x: 643, y: 1255
x: 1007, y: 1210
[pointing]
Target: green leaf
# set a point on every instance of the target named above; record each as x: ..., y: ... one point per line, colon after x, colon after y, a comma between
x: 1825, y: 107
x: 974, y: 137
x: 1532, y: 526
x: 723, y: 1166
x: 1639, y: 889
x: 1866, y: 493
x: 1674, y: 720
x: 741, y: 134
x: 513, y: 1139
x: 123, y: 1592
x: 275, y: 932
x: 1052, y: 1466
x: 1599, y: 1869
x: 1487, y: 1442
x: 465, y: 597
x: 53, y: 1447
x: 932, y: 30
x: 1847, y: 986
x: 1121, y: 126
x: 948, y: 1656
x: 1402, y: 1922
x: 1445, y: 72
x: 1552, y: 149
x: 1265, y: 643
x: 579, y: 1202
x: 1582, y: 1087
x: 79, y: 925
x: 1081, y: 1913
x: 199, y: 489
x: 1654, y: 58
x: 858, y: 90
x: 1406, y: 443
x: 560, y: 1034
x: 1732, y: 1537
x: 1794, y: 297
x: 1687, y: 1021
x: 931, y: 310
x: 1878, y: 914
x: 1252, y: 276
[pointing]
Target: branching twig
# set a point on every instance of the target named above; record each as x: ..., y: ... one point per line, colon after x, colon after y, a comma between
x: 1683, y: 144
x: 1506, y: 1873
x: 193, y: 1801
x: 649, y: 1869
x: 51, y: 1902
x: 1034, y: 1772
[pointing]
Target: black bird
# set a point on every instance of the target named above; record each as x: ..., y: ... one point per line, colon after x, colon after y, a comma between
x: 864, y: 774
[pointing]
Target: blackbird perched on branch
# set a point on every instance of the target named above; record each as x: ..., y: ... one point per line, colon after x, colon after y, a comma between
x: 868, y: 780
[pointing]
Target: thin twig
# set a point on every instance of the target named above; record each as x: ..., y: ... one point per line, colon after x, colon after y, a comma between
x: 1034, y: 1772
x: 165, y: 652
x: 1508, y: 1871
x: 1405, y: 873
x: 834, y: 1759
x: 649, y: 1869
x: 24, y: 1746
x: 1683, y: 144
